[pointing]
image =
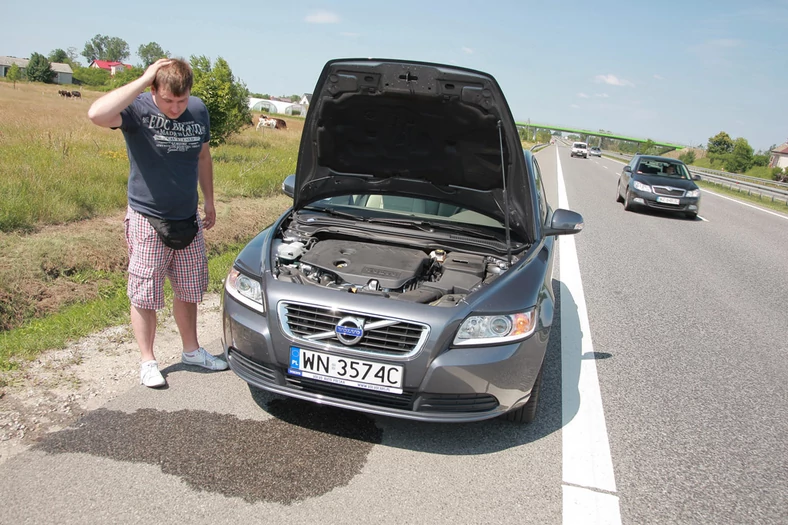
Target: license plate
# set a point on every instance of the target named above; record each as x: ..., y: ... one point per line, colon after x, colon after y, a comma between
x: 341, y: 370
x: 668, y: 200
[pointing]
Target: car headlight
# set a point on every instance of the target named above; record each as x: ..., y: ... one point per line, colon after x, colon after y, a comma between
x: 494, y: 329
x: 693, y: 193
x: 245, y: 289
x: 641, y: 187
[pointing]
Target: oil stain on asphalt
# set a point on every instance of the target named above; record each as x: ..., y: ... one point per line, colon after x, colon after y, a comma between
x: 307, y: 452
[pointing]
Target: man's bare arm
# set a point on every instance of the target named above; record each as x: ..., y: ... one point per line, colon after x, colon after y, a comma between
x: 105, y: 111
x: 205, y: 178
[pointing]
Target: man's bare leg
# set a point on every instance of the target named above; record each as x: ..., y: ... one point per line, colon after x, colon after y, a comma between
x: 144, y: 324
x: 186, y: 318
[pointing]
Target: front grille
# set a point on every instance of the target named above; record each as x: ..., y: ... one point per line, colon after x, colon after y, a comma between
x: 402, y: 401
x: 457, y: 403
x: 668, y: 191
x: 309, y: 323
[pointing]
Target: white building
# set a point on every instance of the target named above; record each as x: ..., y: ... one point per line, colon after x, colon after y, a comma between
x: 779, y: 157
x: 276, y: 106
x: 63, y: 72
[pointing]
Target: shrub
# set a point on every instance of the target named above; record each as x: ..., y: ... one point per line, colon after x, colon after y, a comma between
x: 688, y: 157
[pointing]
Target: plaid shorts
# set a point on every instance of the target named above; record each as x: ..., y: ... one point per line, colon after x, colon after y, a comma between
x: 150, y: 261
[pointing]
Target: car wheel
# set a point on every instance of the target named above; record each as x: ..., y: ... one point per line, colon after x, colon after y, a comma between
x: 527, y: 412
x: 618, y: 192
x: 628, y: 204
x: 691, y: 215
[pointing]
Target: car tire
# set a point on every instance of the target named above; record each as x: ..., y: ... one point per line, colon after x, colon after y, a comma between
x: 691, y: 215
x: 618, y: 192
x: 527, y: 412
x: 628, y: 204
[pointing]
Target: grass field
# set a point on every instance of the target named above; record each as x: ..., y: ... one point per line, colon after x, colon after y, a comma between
x: 62, y: 201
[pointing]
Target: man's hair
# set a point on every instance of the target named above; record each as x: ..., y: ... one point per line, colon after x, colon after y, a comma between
x: 175, y: 76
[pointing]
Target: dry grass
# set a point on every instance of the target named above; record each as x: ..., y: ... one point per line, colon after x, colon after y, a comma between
x: 63, y: 198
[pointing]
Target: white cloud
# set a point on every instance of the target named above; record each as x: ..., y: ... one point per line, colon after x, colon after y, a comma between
x: 659, y: 77
x: 582, y: 95
x: 575, y: 106
x: 468, y: 50
x: 350, y: 35
x: 613, y: 80
x: 321, y: 17
x: 600, y: 95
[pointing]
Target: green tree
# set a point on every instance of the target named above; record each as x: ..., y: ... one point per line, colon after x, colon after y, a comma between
x: 59, y: 56
x: 226, y: 97
x: 102, y: 47
x: 125, y: 76
x: 740, y: 159
x: 150, y: 53
x: 39, y: 70
x: 688, y: 157
x: 646, y: 147
x: 295, y: 98
x: 720, y: 144
x: 14, y: 74
x: 91, y: 76
x: 73, y: 55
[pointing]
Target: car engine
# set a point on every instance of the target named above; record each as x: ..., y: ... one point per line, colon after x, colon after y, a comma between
x: 440, y: 278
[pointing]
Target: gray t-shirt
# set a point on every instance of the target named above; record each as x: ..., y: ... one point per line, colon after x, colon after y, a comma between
x: 163, y: 155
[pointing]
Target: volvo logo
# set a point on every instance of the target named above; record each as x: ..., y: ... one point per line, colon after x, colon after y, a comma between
x: 350, y: 330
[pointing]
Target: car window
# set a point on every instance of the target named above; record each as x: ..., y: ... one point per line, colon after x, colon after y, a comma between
x: 540, y: 192
x: 663, y: 168
x: 410, y: 206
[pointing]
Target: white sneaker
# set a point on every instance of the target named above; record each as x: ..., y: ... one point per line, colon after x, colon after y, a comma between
x: 150, y: 375
x: 204, y: 359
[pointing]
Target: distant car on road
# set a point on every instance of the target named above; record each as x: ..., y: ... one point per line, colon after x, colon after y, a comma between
x: 580, y: 149
x: 658, y: 182
x: 595, y: 151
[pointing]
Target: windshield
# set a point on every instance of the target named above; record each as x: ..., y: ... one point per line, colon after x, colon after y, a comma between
x: 580, y: 145
x: 385, y: 205
x: 664, y: 169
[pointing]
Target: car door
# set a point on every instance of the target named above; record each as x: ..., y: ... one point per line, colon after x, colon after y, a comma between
x: 627, y: 175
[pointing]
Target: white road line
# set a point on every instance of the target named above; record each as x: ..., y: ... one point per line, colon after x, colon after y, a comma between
x: 589, y: 483
x: 748, y: 205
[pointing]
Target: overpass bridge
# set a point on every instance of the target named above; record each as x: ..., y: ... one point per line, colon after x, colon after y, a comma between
x: 604, y: 134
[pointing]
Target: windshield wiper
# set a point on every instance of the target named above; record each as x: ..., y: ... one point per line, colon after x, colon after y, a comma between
x: 335, y: 213
x: 431, y: 226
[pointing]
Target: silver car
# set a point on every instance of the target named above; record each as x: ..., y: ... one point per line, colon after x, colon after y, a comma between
x: 412, y: 276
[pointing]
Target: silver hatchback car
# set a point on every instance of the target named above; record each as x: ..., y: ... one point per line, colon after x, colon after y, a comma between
x: 412, y: 276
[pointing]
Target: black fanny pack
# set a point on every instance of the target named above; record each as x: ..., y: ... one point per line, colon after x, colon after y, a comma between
x: 177, y: 234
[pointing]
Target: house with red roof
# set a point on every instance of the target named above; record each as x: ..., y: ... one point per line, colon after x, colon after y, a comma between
x: 779, y: 157
x: 112, y: 67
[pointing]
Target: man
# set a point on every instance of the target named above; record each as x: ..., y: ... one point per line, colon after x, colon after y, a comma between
x: 167, y: 133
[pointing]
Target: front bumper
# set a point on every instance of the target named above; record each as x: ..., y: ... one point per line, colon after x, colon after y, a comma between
x: 650, y: 200
x: 441, y: 384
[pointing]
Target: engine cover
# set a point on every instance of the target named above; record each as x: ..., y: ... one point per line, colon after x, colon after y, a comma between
x: 359, y: 263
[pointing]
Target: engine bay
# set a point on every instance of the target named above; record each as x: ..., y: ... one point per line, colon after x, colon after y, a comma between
x: 437, y: 277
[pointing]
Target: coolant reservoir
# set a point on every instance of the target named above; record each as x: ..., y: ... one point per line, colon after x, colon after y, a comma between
x: 290, y: 252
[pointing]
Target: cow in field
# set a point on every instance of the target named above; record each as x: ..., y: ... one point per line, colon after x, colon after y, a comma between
x: 265, y: 121
x: 76, y: 94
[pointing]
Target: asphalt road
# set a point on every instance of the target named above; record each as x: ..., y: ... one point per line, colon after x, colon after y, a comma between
x: 689, y: 329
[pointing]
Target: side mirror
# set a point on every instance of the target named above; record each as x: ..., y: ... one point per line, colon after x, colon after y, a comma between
x: 695, y: 176
x: 628, y: 169
x: 564, y: 222
x: 288, y: 186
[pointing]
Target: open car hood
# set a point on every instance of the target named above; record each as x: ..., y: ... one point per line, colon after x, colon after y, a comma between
x: 413, y: 129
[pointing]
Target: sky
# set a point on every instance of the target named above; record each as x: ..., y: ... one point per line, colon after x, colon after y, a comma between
x: 674, y: 71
